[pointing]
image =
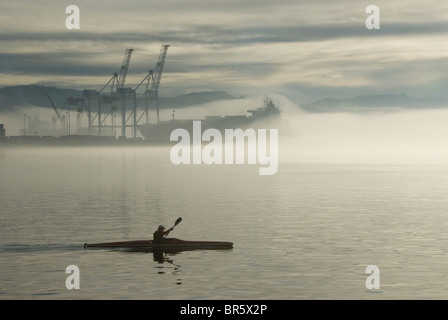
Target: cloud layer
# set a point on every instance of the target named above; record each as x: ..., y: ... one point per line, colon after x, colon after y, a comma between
x: 309, y: 48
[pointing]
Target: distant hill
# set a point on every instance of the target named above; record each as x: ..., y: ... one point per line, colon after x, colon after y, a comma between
x: 34, y: 95
x: 191, y: 99
x: 374, y: 102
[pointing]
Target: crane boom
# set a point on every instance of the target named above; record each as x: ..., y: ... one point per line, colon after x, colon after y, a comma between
x: 54, y: 108
x: 159, y: 67
x: 124, y: 68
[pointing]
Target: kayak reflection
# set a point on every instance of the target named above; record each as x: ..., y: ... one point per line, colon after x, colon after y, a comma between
x: 162, y: 251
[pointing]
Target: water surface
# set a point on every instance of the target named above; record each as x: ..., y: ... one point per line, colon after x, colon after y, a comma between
x: 308, y: 232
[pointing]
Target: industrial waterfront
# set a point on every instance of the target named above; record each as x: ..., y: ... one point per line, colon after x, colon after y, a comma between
x: 120, y: 115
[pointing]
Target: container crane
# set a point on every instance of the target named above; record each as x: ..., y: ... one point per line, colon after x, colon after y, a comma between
x: 153, y: 79
x: 117, y: 91
x: 58, y: 114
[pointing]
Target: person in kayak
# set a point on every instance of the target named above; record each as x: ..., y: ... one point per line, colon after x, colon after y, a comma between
x: 160, y: 234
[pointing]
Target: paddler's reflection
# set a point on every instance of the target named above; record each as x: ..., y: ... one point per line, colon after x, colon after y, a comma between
x: 159, y: 256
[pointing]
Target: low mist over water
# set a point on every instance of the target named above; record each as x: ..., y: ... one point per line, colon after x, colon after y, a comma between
x: 386, y: 132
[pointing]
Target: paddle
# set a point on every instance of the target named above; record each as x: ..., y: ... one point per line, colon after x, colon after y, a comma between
x: 176, y: 223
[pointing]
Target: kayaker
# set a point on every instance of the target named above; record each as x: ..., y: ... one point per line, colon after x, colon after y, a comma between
x: 160, y: 234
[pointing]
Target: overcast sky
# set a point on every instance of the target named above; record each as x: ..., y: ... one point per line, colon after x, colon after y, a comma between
x: 302, y: 49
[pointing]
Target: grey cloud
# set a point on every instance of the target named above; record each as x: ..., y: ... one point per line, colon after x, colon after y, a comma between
x: 240, y: 35
x: 73, y: 64
x: 49, y: 64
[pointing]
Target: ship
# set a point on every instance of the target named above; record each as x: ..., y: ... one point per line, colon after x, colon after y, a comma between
x: 267, y: 116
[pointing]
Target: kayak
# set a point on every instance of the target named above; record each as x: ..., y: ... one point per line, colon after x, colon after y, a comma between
x: 169, y: 243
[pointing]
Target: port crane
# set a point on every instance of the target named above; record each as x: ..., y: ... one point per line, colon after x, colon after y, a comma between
x: 152, y: 80
x: 58, y: 114
x: 116, y: 94
x: 68, y: 101
x: 116, y: 83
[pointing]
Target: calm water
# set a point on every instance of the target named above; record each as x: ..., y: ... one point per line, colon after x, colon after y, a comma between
x: 309, y: 232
